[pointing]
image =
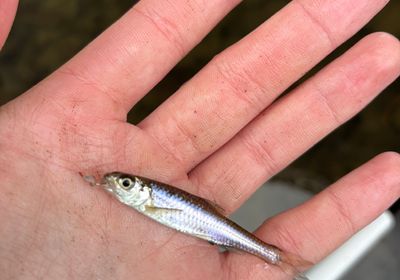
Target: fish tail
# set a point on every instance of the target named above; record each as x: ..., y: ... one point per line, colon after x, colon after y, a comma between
x: 292, y: 264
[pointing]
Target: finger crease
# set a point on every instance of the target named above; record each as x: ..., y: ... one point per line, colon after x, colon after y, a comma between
x: 319, y: 24
x: 261, y: 153
x: 85, y: 81
x: 343, y: 211
x: 233, y: 79
x: 166, y: 28
x: 323, y: 98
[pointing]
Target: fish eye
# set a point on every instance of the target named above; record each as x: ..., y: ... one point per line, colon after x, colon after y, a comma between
x: 126, y: 183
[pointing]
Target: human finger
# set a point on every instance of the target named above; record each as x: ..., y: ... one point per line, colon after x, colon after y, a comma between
x: 317, y: 227
x: 7, y: 14
x: 244, y: 79
x: 134, y: 54
x: 298, y: 120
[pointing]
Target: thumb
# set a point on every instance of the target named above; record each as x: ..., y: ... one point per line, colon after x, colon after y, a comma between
x: 7, y: 14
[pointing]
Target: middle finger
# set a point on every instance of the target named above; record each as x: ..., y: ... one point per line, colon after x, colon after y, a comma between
x: 244, y: 79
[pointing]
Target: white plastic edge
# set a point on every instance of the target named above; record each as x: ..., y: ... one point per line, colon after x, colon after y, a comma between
x: 339, y: 262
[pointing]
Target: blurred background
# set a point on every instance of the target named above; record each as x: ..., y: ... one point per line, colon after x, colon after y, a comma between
x: 47, y: 33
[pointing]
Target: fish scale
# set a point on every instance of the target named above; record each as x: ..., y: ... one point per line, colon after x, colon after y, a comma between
x: 198, y: 217
x: 195, y: 216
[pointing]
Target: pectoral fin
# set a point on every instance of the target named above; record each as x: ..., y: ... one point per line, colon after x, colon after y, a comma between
x: 222, y: 248
x: 203, y: 236
x: 160, y: 210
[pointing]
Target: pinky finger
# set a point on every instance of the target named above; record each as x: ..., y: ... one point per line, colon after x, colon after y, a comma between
x: 317, y: 227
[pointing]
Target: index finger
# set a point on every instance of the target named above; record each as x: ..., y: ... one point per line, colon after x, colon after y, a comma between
x: 135, y: 53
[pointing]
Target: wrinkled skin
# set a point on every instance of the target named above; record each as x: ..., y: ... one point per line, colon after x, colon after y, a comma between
x: 55, y: 226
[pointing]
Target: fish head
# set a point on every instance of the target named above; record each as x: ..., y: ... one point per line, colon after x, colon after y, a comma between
x: 127, y: 188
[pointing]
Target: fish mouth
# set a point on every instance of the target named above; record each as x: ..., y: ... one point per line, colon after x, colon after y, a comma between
x: 108, y: 183
x: 110, y: 180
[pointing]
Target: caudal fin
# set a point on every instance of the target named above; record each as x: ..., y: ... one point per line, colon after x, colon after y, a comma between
x: 294, y: 265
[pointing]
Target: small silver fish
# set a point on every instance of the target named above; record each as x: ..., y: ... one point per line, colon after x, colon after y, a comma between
x: 193, y: 215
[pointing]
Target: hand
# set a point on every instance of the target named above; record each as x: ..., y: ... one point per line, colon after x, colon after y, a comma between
x: 219, y: 136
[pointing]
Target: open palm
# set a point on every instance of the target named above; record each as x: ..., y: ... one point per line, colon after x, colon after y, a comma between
x: 219, y: 136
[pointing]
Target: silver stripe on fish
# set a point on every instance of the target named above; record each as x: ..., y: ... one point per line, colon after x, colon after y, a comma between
x: 193, y: 215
